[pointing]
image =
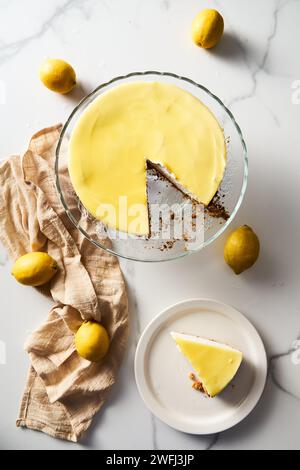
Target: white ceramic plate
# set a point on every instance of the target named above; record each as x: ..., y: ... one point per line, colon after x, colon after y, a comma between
x: 161, y: 371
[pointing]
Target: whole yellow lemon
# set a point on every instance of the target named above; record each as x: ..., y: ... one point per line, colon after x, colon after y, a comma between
x: 92, y: 341
x: 58, y: 75
x: 34, y: 269
x: 241, y: 249
x: 207, y: 28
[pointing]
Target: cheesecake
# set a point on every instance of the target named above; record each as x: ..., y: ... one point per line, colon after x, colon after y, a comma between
x: 132, y: 127
x: 215, y: 363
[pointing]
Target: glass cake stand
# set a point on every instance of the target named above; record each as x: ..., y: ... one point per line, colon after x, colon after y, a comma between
x: 202, y: 227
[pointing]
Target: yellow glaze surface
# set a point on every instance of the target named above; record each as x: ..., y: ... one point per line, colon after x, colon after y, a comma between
x: 215, y: 364
x: 130, y: 124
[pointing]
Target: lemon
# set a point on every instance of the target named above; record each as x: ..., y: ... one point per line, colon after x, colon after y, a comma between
x: 57, y: 75
x: 34, y: 269
x: 92, y: 341
x: 241, y: 249
x: 207, y: 28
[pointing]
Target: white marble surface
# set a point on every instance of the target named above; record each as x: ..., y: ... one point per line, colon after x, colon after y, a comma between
x: 254, y: 70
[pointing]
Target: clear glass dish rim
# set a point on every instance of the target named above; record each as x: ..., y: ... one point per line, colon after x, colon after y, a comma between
x: 244, y: 156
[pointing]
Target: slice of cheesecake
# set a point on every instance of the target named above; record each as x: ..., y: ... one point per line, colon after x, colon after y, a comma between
x: 215, y: 363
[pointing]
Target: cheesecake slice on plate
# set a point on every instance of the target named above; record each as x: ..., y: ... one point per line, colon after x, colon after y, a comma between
x: 214, y: 363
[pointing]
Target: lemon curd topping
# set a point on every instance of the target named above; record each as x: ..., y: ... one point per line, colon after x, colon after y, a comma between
x: 215, y: 363
x: 129, y: 125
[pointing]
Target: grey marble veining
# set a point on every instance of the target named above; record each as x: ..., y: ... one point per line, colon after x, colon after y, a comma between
x: 8, y: 51
x: 256, y: 68
x: 285, y: 370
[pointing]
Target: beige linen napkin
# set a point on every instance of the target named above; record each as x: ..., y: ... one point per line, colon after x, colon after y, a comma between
x: 63, y: 391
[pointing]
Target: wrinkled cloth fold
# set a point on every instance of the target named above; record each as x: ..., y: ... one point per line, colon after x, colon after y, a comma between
x: 63, y: 390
